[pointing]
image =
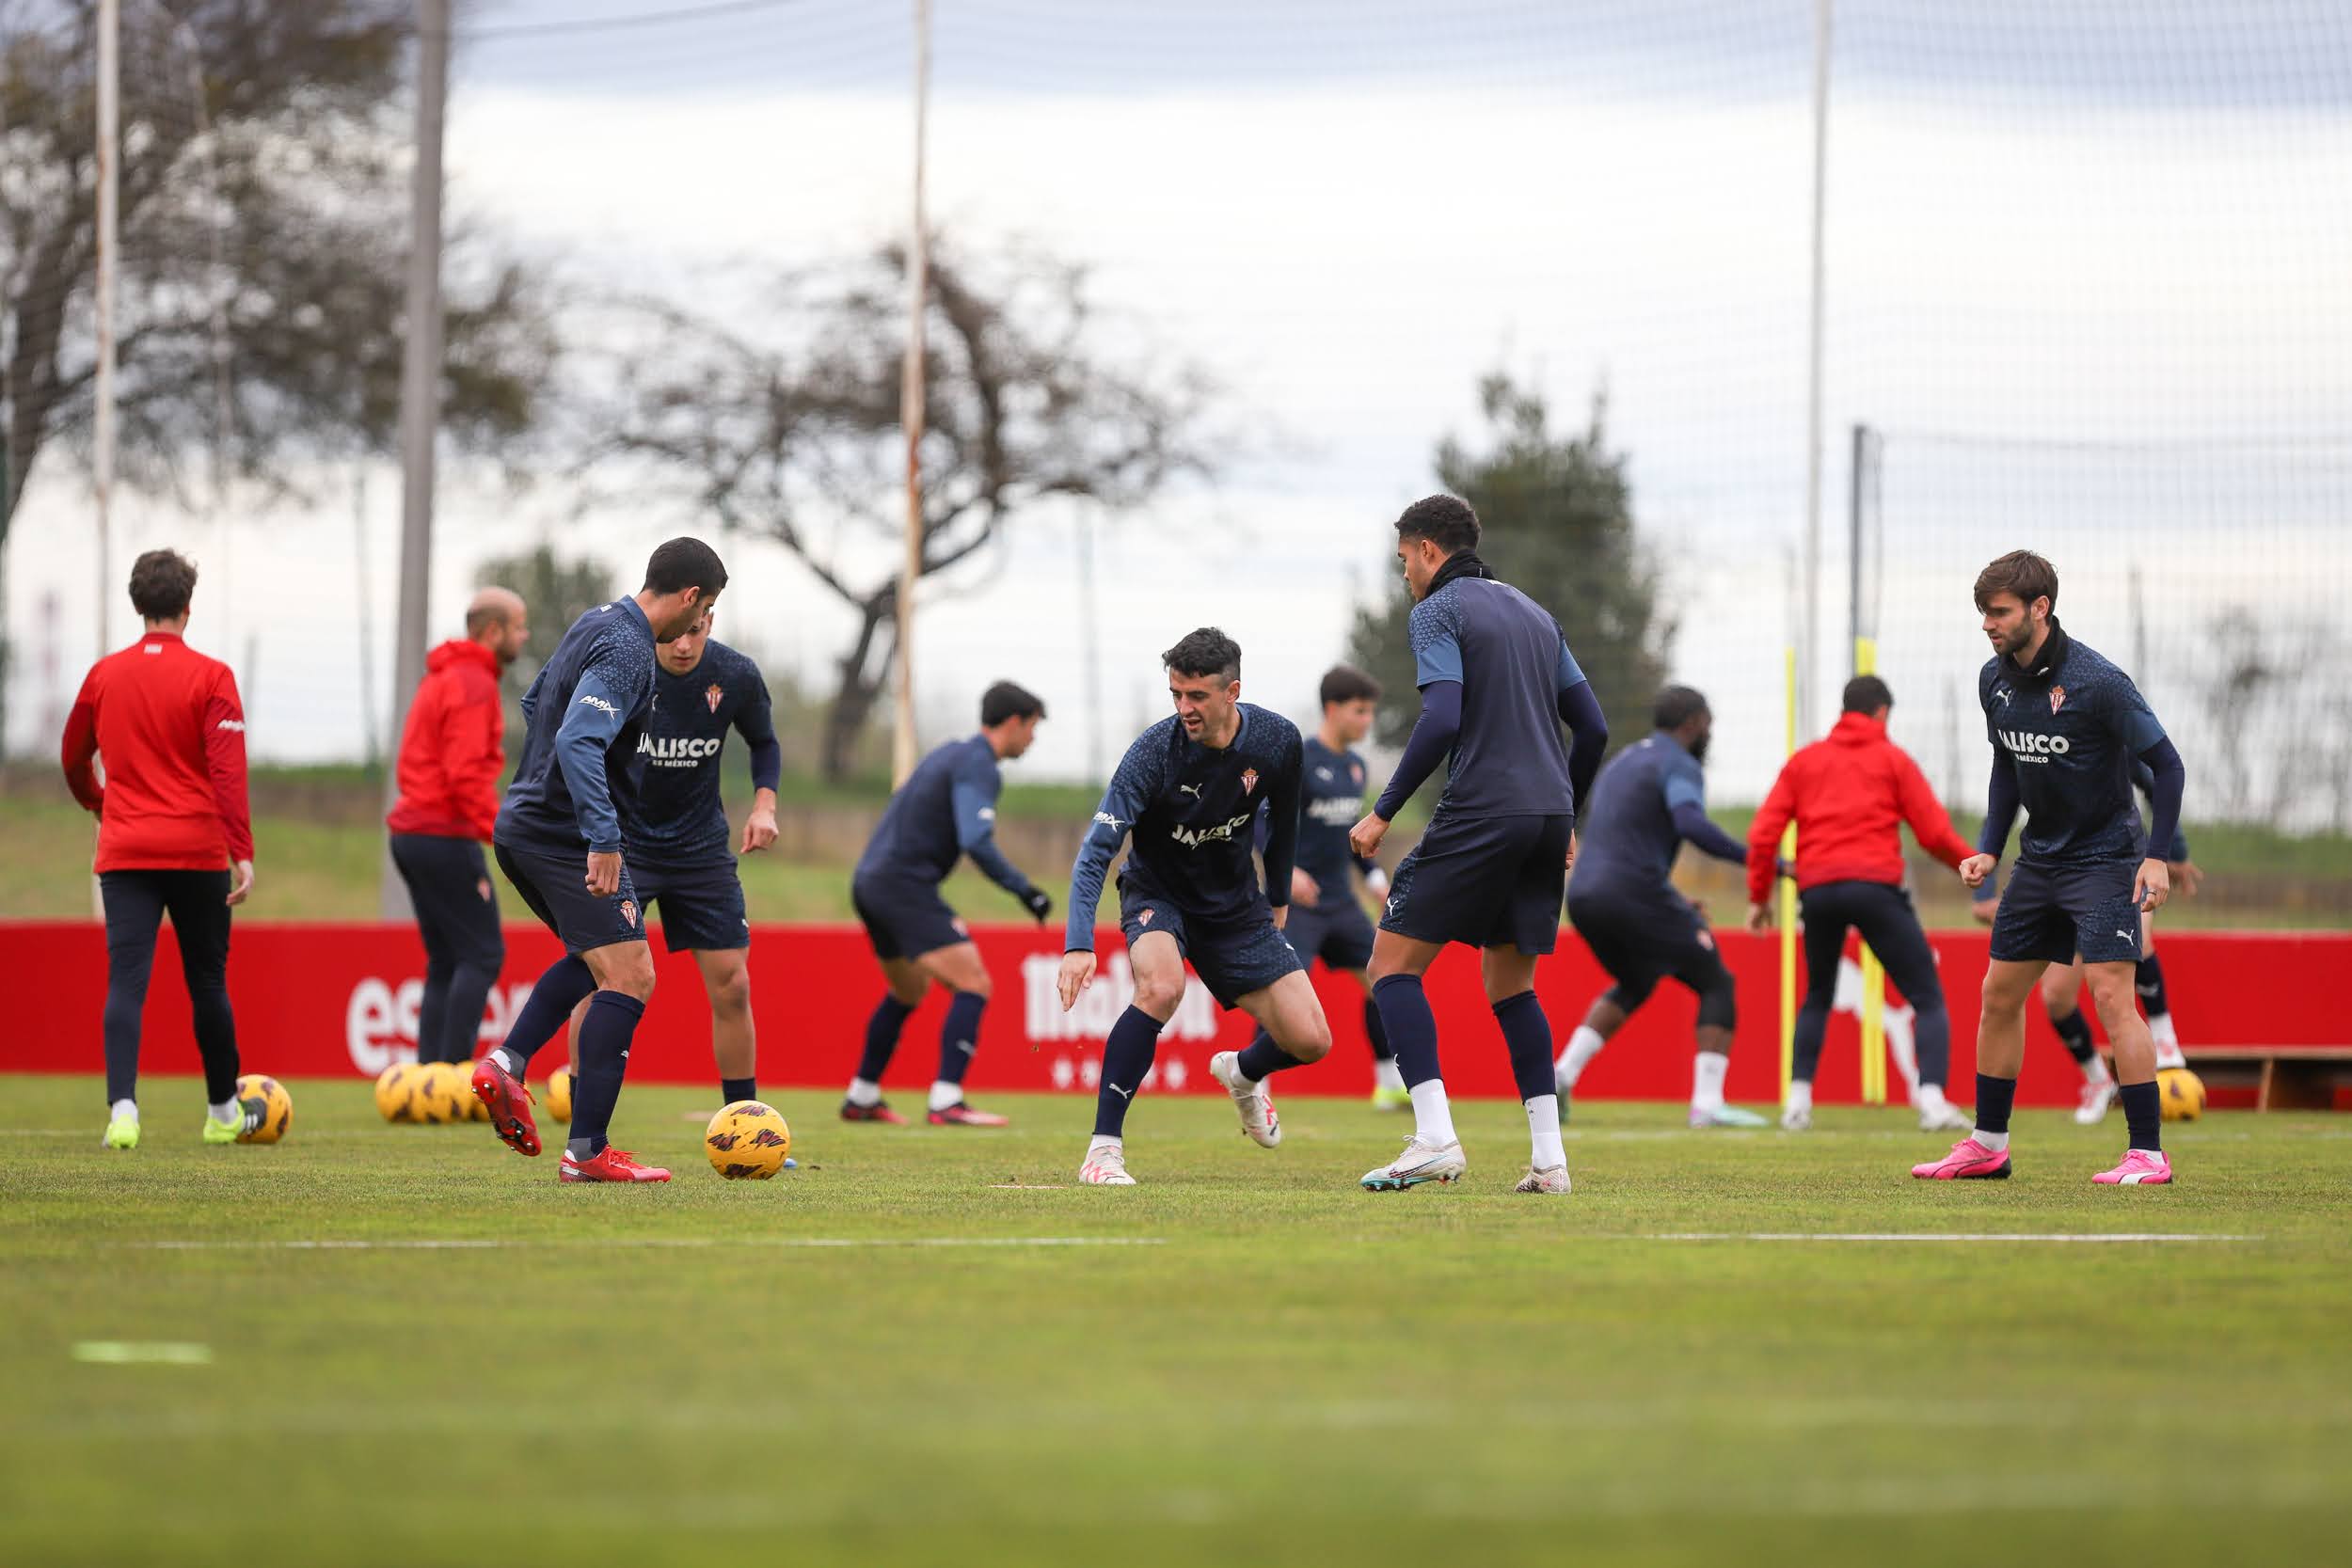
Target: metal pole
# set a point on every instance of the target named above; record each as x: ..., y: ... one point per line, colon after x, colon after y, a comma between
x: 110, y: 243
x: 420, y: 397
x: 1090, y: 649
x: 1813, y: 378
x: 1855, y: 631
x: 911, y: 411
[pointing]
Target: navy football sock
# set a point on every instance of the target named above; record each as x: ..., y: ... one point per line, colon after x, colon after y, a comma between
x: 1135, y: 1039
x: 958, y: 1038
x: 1527, y: 1036
x: 1412, y: 1028
x: 1376, y: 1031
x: 604, y: 1037
x: 738, y: 1089
x: 553, y: 996
x: 1262, y: 1056
x: 2143, y: 1114
x: 1995, y: 1097
x: 2148, y: 979
x: 882, y: 1036
x: 2073, y: 1032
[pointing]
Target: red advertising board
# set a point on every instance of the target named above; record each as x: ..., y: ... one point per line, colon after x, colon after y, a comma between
x: 315, y: 1001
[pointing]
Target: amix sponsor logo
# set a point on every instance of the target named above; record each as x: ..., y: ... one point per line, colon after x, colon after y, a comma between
x: 1192, y: 838
x: 1336, y: 811
x: 680, y: 752
x: 2025, y: 747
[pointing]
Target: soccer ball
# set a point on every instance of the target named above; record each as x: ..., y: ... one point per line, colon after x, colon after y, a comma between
x: 469, y: 1104
x: 442, y: 1096
x: 277, y: 1108
x: 396, y: 1090
x: 560, y: 1094
x: 747, y: 1141
x: 2183, y: 1094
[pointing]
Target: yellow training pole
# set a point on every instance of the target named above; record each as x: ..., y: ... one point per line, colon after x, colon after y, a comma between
x: 1865, y: 658
x: 1785, y: 895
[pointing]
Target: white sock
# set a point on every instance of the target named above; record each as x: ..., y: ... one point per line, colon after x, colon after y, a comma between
x: 225, y: 1111
x: 1433, y: 1119
x: 2095, y: 1069
x: 1577, y: 1055
x: 1994, y: 1141
x: 1098, y: 1143
x: 1799, y: 1096
x: 126, y: 1109
x: 864, y: 1093
x: 945, y: 1094
x: 1707, y: 1080
x: 1543, y: 1131
x: 508, y: 1060
x: 1385, y: 1076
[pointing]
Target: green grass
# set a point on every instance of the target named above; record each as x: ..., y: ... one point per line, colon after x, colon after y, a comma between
x: 1271, y: 1366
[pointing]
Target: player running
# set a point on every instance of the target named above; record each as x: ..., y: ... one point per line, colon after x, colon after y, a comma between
x: 174, y: 836
x: 1326, y: 921
x: 945, y: 810
x: 1496, y: 680
x: 2064, y: 724
x: 1849, y: 796
x: 582, y: 718
x: 1644, y: 806
x: 1188, y: 789
x: 2061, y: 988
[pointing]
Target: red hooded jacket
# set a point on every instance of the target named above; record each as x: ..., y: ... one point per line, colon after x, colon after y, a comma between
x: 167, y: 721
x: 453, y: 746
x: 1850, y: 794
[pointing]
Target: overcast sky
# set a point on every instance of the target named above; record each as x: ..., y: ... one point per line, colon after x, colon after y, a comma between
x: 2045, y: 222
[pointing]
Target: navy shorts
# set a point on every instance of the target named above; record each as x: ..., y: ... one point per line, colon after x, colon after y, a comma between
x: 1336, y: 930
x: 1644, y: 935
x: 1490, y: 882
x: 701, y: 906
x: 905, y: 918
x: 1233, y: 957
x: 2052, y: 913
x: 554, y: 885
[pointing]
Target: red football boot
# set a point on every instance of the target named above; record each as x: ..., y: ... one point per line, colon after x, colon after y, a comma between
x: 612, y: 1164
x: 961, y: 1115
x: 879, y: 1110
x: 509, y: 1103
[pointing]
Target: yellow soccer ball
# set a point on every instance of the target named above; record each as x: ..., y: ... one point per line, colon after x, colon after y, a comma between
x: 447, y: 1089
x: 747, y: 1141
x: 560, y: 1094
x: 396, y: 1089
x: 277, y: 1107
x: 2183, y: 1094
x: 470, y: 1107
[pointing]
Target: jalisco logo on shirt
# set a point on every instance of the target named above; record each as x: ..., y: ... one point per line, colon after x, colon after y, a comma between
x: 1192, y: 838
x: 682, y: 752
x: 2027, y: 747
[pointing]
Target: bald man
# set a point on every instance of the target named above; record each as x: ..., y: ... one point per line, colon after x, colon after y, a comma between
x: 451, y: 754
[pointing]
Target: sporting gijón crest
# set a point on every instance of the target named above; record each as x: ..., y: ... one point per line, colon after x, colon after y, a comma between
x: 713, y: 695
x: 2057, y: 698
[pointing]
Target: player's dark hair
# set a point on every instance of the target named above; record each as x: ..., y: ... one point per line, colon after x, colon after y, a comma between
x: 685, y: 562
x: 1677, y: 706
x: 1867, y: 694
x: 1446, y: 521
x: 2022, y: 573
x: 1207, y: 652
x: 162, y: 582
x: 1345, y: 683
x: 1005, y: 701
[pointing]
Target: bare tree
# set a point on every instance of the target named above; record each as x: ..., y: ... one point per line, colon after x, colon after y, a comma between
x: 794, y: 435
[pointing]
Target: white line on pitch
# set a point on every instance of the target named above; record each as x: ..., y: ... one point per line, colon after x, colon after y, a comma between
x: 1944, y: 1236
x: 490, y: 1244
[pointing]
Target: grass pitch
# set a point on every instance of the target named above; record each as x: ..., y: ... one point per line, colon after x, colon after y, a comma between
x: 929, y: 1346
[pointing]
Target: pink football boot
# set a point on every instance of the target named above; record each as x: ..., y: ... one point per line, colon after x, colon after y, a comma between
x: 2139, y: 1169
x: 1969, y: 1161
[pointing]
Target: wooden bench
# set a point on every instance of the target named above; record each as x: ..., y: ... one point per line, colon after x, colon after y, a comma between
x: 2282, y: 1077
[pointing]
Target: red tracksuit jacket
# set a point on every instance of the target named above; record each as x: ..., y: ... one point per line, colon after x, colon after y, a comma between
x: 168, y: 723
x: 1849, y: 794
x: 453, y: 747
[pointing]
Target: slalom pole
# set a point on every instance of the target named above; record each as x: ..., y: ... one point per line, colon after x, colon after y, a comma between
x: 1785, y: 895
x: 1866, y: 660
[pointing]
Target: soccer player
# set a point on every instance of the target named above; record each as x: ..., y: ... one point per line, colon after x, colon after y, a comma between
x: 1644, y: 806
x: 1496, y: 680
x: 174, y: 836
x: 1188, y: 789
x: 2061, y: 988
x: 2064, y: 724
x: 1849, y: 796
x: 1326, y: 921
x: 945, y: 810
x: 451, y: 751
x: 558, y: 842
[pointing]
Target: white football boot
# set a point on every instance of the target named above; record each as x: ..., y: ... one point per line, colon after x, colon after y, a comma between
x: 1554, y: 1180
x: 1255, y: 1106
x: 2093, y: 1108
x: 1418, y: 1164
x: 1106, y: 1167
